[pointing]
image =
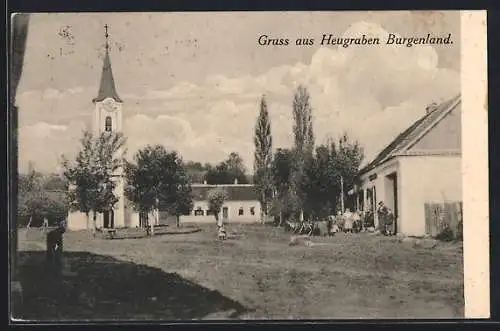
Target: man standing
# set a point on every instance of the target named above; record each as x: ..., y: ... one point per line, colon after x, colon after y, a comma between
x: 55, y: 248
x: 382, y: 213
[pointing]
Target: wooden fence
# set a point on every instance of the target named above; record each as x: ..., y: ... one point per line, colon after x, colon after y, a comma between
x: 439, y: 216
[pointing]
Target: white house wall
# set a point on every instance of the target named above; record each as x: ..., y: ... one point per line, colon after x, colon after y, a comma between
x: 380, y: 184
x: 427, y: 179
x: 233, y: 209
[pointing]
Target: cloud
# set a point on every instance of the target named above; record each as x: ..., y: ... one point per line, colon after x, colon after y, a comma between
x: 51, y: 93
x: 166, y: 130
x: 44, y: 144
x: 55, y: 106
x: 371, y: 92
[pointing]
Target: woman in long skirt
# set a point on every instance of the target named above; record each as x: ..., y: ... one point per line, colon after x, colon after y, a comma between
x: 348, y: 221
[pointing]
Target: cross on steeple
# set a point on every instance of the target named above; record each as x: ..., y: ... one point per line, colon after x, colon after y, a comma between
x: 106, y: 35
x: 107, y: 88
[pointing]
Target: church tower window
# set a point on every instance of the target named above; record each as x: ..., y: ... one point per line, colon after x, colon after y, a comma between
x: 108, y: 124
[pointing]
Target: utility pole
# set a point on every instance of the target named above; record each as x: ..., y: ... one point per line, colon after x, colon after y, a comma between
x: 342, y: 194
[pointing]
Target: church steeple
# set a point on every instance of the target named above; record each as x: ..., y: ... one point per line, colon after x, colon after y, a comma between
x: 107, y: 88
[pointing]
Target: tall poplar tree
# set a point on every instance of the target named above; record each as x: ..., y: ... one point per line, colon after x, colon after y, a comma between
x: 263, y: 156
x: 303, y: 142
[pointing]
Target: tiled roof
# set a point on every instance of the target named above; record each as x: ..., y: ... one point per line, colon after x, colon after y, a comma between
x: 107, y: 88
x: 241, y: 192
x: 409, y: 136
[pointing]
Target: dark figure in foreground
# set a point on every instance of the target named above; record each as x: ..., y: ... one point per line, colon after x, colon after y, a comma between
x: 55, y: 248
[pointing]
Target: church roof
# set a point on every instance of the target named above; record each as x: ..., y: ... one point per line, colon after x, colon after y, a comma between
x: 408, y: 137
x: 107, y: 88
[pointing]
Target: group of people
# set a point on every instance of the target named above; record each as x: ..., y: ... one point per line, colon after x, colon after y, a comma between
x: 350, y: 222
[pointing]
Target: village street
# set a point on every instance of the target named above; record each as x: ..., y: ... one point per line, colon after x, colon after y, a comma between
x: 254, y: 274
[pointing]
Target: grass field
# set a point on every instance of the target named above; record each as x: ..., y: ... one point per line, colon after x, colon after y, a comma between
x: 254, y: 274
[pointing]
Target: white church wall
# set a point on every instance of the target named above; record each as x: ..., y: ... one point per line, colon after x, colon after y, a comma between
x: 77, y: 221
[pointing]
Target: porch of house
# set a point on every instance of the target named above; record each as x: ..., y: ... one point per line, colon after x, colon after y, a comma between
x: 379, y: 186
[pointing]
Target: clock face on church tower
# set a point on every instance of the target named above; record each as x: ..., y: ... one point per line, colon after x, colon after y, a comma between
x: 109, y: 105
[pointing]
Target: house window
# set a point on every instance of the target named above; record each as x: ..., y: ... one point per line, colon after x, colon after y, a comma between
x: 210, y: 213
x: 240, y: 211
x: 108, y: 124
x: 252, y: 211
x: 198, y: 212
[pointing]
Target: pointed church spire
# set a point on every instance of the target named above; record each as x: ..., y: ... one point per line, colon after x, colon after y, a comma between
x: 107, y: 88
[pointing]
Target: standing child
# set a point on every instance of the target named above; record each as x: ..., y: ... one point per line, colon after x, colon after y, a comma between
x: 356, y: 217
x: 334, y: 228
x: 339, y: 221
x: 222, y: 233
x: 348, y: 221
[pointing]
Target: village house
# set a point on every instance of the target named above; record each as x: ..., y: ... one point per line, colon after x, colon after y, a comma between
x: 421, y: 165
x: 241, y: 204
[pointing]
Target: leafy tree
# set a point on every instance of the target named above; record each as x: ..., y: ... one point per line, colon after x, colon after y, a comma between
x: 55, y: 182
x: 36, y: 202
x: 235, y: 164
x: 183, y: 202
x: 227, y: 171
x: 219, y: 175
x: 216, y: 198
x: 196, y: 171
x: 347, y: 156
x: 331, y: 162
x: 321, y: 187
x: 282, y: 169
x: 303, y: 141
x: 263, y: 158
x: 157, y: 180
x: 91, y: 175
x: 31, y: 181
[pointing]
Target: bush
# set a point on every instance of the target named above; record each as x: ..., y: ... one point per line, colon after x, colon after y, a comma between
x: 446, y: 235
x: 40, y: 205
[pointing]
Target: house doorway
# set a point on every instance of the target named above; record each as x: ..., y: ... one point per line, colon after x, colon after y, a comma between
x: 225, y: 213
x: 109, y: 219
x: 391, y: 196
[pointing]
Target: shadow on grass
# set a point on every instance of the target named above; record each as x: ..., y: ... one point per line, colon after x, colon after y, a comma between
x: 104, y: 288
x: 142, y: 234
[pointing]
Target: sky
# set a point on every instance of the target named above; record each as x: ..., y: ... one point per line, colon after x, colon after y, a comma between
x: 193, y: 81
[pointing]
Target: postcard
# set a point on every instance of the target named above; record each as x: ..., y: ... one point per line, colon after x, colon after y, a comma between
x: 238, y: 166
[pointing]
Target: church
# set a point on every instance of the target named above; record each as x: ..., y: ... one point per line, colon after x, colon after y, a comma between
x: 108, y: 117
x: 242, y: 204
